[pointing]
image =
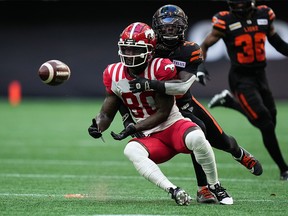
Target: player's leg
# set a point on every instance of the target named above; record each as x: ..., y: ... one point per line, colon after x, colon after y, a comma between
x: 203, y: 194
x: 193, y: 139
x: 220, y: 140
x: 261, y: 112
x: 144, y: 154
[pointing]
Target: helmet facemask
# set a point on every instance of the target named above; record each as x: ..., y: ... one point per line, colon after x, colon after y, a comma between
x: 134, y: 54
x: 170, y: 24
x: 136, y: 45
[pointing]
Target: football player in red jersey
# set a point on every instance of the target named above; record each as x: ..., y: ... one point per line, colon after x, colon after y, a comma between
x: 170, y: 23
x: 244, y: 30
x: 167, y: 132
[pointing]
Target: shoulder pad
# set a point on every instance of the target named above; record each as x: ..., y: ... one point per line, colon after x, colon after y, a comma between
x: 267, y: 10
x: 219, y: 20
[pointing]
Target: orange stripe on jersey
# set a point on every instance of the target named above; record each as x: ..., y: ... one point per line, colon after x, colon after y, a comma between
x: 196, y: 55
x: 224, y: 13
x: 262, y: 6
x: 218, y: 23
x: 247, y: 107
x: 271, y: 14
x: 211, y: 117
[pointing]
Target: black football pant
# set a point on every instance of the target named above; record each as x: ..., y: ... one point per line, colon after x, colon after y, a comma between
x: 254, y: 99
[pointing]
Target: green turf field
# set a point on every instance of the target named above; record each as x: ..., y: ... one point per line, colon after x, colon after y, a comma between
x: 47, y: 153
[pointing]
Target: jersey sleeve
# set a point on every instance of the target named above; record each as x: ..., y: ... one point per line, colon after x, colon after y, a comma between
x: 166, y: 70
x: 267, y: 11
x: 193, y: 56
x: 219, y: 21
x: 107, y: 80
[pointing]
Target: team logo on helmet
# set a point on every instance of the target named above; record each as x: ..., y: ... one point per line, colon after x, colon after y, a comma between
x: 150, y: 34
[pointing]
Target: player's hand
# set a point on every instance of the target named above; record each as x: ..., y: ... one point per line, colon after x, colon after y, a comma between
x: 202, y: 75
x: 139, y: 84
x: 201, y: 78
x: 93, y: 130
x: 127, y: 120
x: 129, y: 130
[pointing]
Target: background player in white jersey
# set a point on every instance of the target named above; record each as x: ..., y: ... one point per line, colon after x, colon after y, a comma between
x: 167, y: 132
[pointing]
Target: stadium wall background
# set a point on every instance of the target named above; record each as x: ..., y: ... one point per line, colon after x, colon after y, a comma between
x: 84, y: 35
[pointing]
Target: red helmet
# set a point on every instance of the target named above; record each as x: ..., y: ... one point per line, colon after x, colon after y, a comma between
x: 136, y: 45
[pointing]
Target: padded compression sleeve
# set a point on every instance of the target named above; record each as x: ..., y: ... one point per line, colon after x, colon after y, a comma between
x: 179, y: 88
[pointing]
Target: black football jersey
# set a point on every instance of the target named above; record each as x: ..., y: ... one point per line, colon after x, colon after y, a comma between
x: 245, y: 38
x: 187, y: 57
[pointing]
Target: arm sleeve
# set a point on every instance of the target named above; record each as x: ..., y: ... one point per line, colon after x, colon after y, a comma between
x: 179, y: 88
x: 279, y: 44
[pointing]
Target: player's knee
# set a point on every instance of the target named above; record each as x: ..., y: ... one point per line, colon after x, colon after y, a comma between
x: 134, y: 151
x: 195, y: 140
x: 265, y: 121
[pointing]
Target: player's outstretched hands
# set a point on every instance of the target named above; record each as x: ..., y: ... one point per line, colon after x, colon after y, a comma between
x: 129, y: 130
x: 139, y: 84
x: 93, y: 130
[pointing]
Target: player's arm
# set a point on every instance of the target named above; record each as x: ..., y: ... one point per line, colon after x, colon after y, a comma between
x: 106, y: 115
x: 171, y: 87
x: 128, y: 120
x: 213, y: 37
x: 277, y: 42
x: 163, y: 104
x: 181, y: 86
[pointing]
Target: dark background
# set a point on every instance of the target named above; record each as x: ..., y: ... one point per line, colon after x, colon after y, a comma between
x: 84, y: 35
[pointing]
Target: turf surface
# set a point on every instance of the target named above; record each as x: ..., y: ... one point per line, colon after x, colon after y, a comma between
x: 49, y: 165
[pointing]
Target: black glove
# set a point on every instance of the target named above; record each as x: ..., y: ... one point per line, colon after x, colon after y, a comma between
x: 93, y: 130
x: 127, y: 120
x: 139, y: 84
x: 202, y: 74
x: 129, y: 130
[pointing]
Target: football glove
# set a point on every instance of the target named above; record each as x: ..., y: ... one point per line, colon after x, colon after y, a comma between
x: 93, y: 130
x: 129, y: 130
x: 127, y: 120
x: 202, y: 75
x: 139, y: 84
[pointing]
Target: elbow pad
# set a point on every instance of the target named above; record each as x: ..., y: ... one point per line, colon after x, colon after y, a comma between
x: 279, y: 44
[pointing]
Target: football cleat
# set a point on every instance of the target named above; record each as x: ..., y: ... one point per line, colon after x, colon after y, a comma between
x: 180, y: 196
x: 205, y: 196
x: 221, y: 99
x: 250, y: 162
x: 222, y: 196
x: 284, y: 176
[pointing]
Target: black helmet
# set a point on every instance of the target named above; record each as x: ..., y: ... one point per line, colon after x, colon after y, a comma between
x: 241, y: 8
x: 170, y: 23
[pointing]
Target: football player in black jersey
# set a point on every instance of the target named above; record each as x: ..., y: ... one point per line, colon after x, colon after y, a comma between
x: 170, y: 24
x: 244, y: 30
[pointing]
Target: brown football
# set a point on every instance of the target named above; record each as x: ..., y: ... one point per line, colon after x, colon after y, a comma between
x: 54, y: 72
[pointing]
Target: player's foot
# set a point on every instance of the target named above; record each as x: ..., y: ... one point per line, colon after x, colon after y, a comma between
x: 250, y: 162
x: 284, y: 176
x: 205, y: 196
x: 180, y: 196
x: 222, y: 196
x: 220, y: 99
